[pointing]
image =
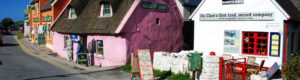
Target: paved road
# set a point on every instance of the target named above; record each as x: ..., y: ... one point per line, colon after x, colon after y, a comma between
x: 17, y: 65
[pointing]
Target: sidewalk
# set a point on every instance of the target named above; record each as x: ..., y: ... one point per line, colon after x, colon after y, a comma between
x: 101, y: 73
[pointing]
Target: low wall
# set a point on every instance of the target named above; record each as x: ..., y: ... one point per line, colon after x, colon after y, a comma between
x: 176, y: 62
x: 210, y: 68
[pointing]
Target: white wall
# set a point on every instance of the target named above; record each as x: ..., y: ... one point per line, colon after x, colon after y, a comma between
x: 26, y: 28
x: 209, y: 35
x: 176, y: 62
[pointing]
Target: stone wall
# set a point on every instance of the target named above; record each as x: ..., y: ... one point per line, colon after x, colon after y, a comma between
x: 210, y: 68
x: 176, y: 62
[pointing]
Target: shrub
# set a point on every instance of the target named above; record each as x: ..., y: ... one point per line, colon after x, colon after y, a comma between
x: 162, y: 74
x: 292, y: 71
x: 179, y: 76
x: 126, y: 68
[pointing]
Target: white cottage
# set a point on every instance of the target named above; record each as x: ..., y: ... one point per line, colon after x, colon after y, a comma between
x: 241, y: 28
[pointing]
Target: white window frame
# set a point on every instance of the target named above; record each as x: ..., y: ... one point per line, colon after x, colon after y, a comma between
x: 70, y: 17
x: 99, y: 55
x: 102, y: 9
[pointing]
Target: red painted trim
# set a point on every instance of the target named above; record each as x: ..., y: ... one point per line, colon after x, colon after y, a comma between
x: 284, y: 47
x: 255, y: 43
x: 131, y: 66
x: 220, y: 68
x: 138, y: 63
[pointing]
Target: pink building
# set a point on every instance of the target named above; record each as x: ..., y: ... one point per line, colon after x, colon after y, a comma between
x: 118, y: 27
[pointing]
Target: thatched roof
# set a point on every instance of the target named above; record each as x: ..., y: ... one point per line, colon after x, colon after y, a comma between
x: 47, y: 6
x: 292, y: 7
x: 88, y: 20
x: 33, y: 1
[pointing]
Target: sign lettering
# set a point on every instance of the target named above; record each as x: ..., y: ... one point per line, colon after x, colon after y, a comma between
x: 266, y: 16
x: 154, y: 6
x: 145, y: 64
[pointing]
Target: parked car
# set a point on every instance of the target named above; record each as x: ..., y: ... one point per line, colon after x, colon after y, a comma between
x: 1, y: 40
x: 6, y: 30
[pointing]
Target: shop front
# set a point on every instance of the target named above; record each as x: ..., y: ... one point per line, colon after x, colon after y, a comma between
x: 241, y: 28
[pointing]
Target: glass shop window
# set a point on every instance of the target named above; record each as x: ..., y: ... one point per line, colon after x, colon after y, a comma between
x: 255, y: 43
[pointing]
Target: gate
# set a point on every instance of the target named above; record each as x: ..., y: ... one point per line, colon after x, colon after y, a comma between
x: 232, y: 69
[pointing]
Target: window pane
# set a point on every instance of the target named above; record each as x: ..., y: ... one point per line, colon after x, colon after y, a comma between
x: 258, y: 40
x: 246, y: 51
x: 251, y: 45
x: 251, y: 39
x: 245, y: 45
x: 106, y: 9
x: 251, y: 51
x: 72, y: 13
x: 251, y: 34
x: 258, y: 34
x: 100, y: 47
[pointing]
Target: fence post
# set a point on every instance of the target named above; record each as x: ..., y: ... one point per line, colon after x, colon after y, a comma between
x: 244, y: 75
x: 220, y: 68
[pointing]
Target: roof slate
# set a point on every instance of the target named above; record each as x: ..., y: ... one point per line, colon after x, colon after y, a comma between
x: 33, y: 1
x: 47, y: 6
x: 88, y: 20
x: 191, y: 2
x: 292, y: 7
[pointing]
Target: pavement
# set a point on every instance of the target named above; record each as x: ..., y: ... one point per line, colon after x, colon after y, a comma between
x: 89, y: 73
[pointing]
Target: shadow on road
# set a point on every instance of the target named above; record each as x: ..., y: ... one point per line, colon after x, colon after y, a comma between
x: 9, y: 45
x: 66, y: 75
x: 0, y: 62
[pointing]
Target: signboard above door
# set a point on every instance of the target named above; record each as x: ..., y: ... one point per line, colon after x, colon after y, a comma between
x: 154, y: 6
x: 241, y: 16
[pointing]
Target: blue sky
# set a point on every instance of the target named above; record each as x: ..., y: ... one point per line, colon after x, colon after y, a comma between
x: 13, y: 9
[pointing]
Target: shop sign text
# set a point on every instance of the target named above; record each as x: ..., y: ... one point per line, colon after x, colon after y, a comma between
x: 154, y: 6
x: 264, y: 16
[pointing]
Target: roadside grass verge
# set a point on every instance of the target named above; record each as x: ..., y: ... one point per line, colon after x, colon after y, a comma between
x: 162, y: 74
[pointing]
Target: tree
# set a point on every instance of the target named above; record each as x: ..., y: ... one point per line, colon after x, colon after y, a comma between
x: 6, y: 22
x: 18, y: 23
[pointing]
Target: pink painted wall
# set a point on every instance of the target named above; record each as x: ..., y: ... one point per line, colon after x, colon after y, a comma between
x: 58, y: 44
x: 143, y: 32
x: 114, y: 50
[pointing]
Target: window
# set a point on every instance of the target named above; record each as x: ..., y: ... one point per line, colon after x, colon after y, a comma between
x: 157, y: 21
x: 44, y: 29
x: 33, y: 11
x: 72, y: 13
x: 100, y: 47
x: 48, y: 30
x: 232, y: 1
x: 66, y: 41
x: 105, y: 10
x: 37, y: 8
x: 255, y: 43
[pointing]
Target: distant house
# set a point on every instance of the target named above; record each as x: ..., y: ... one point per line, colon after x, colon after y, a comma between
x: 292, y: 27
x: 118, y: 28
x: 34, y: 21
x: 241, y: 28
x: 49, y: 12
x: 186, y: 8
